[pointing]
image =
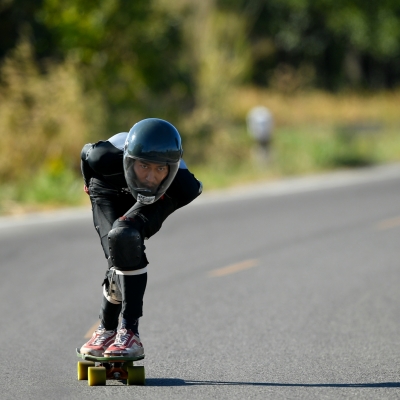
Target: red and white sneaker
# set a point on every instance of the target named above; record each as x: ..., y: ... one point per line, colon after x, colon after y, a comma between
x: 99, y: 342
x: 126, y: 344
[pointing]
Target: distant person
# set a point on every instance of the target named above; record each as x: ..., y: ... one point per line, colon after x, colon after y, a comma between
x: 135, y: 181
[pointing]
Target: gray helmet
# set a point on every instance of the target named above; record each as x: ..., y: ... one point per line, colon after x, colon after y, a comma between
x: 151, y: 143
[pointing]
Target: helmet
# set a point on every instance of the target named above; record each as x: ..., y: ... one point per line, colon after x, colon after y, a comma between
x: 152, y: 154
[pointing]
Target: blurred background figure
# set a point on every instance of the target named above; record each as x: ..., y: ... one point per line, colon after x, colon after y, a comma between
x: 259, y: 126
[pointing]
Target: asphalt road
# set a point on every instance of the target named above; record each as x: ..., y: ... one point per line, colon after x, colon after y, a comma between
x: 281, y: 291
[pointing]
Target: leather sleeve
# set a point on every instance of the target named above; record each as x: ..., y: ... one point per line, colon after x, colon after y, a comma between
x: 104, y: 161
x: 87, y: 172
x: 149, y: 218
x: 184, y: 188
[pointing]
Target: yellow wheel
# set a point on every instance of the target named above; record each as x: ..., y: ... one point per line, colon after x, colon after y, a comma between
x: 127, y: 364
x: 136, y: 375
x: 97, y: 376
x: 83, y: 369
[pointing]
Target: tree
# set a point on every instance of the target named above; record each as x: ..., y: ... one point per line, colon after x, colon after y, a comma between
x: 345, y: 42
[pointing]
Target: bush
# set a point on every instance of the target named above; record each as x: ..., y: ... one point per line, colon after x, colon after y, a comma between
x: 45, y: 117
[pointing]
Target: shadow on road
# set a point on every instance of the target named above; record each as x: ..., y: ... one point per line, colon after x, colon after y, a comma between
x: 181, y: 382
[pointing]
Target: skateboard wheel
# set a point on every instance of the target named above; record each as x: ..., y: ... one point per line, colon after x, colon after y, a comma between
x: 136, y: 375
x: 127, y: 364
x: 97, y: 376
x: 82, y: 368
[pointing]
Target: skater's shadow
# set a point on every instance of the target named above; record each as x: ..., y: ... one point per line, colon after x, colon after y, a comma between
x: 182, y: 382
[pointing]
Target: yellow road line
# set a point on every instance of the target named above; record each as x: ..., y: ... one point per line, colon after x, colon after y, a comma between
x: 388, y: 224
x: 232, y: 269
x: 89, y: 333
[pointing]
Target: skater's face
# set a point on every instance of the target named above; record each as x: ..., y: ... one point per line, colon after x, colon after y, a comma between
x: 150, y: 175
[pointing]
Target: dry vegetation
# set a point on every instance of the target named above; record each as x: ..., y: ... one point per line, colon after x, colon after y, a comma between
x: 43, y: 117
x: 46, y: 117
x: 316, y: 107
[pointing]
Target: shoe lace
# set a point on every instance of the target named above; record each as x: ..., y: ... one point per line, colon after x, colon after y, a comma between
x: 122, y: 337
x: 103, y: 335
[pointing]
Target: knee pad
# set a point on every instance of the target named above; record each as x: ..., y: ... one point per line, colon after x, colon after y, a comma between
x: 126, y: 247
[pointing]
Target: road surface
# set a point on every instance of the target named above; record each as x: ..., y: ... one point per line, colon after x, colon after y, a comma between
x: 288, y: 290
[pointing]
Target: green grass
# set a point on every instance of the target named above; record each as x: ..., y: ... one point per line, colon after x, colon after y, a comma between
x: 294, y: 151
x: 305, y: 150
x: 45, y: 190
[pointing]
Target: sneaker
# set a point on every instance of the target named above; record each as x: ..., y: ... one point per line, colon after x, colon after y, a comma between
x: 99, y: 342
x: 126, y: 344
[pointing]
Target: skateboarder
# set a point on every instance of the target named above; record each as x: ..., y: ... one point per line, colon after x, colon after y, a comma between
x: 135, y: 181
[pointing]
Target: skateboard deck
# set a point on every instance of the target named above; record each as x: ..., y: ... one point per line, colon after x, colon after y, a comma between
x: 97, y: 370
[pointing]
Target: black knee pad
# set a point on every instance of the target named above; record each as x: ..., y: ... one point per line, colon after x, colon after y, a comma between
x: 126, y: 247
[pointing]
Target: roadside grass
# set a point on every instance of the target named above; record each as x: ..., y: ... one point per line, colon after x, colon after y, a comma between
x: 314, y: 132
x: 293, y: 151
x: 305, y: 150
x: 44, y: 191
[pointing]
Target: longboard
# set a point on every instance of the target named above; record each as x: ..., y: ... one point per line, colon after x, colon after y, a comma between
x: 97, y: 370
